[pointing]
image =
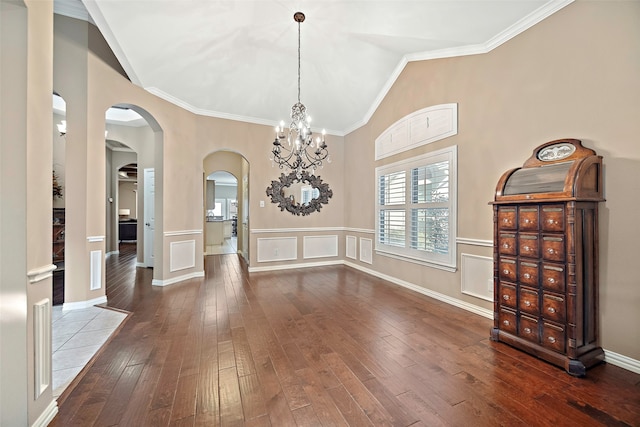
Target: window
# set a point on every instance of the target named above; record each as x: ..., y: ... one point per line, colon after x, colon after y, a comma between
x: 308, y: 193
x: 416, y: 209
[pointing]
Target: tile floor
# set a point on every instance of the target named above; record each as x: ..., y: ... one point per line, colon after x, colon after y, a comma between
x: 230, y: 246
x: 76, y: 336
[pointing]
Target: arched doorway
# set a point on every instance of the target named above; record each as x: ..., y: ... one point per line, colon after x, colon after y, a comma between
x: 221, y: 218
x: 234, y: 164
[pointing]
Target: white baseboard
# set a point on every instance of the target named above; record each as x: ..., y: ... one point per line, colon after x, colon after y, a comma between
x: 47, y: 415
x: 622, y: 361
x: 428, y: 292
x: 158, y: 282
x: 112, y: 253
x: 79, y: 305
x: 140, y: 264
x: 295, y: 266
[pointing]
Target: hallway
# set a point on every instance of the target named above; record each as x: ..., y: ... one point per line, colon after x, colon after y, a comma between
x: 320, y: 346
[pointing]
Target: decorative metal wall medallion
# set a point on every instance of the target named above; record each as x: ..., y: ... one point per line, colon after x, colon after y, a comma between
x: 300, y: 196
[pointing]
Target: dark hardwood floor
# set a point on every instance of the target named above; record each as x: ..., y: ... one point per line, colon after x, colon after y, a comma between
x: 322, y: 346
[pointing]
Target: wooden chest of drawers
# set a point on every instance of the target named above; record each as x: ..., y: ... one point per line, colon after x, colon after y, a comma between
x: 545, y: 258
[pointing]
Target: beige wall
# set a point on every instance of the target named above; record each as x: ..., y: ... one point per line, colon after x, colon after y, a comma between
x: 25, y: 222
x: 573, y: 75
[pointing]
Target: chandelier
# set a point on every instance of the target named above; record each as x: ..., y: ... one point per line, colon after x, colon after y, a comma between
x: 296, y: 150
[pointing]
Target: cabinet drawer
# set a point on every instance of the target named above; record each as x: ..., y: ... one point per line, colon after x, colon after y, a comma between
x: 552, y: 218
x: 528, y: 245
x: 528, y: 219
x: 508, y: 269
x: 507, y: 244
x: 553, y: 337
x: 553, y: 278
x: 553, y: 307
x: 507, y: 319
x: 528, y: 301
x: 553, y: 248
x: 507, y: 218
x: 528, y: 329
x: 528, y: 273
x: 508, y: 295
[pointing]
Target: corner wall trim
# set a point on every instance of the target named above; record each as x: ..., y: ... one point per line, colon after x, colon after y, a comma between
x: 181, y: 233
x: 40, y: 273
x: 79, y: 305
x: 294, y: 230
x: 47, y: 415
x: 159, y: 282
x: 474, y: 242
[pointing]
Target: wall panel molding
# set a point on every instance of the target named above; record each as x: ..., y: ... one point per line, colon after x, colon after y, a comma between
x: 42, y: 346
x: 319, y: 246
x: 96, y: 270
x: 366, y: 250
x: 182, y: 255
x: 277, y: 249
x: 476, y: 276
x: 350, y: 247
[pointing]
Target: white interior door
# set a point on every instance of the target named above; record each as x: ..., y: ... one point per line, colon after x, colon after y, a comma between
x: 149, y: 215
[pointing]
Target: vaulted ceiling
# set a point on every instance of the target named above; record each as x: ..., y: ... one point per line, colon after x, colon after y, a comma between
x: 238, y: 59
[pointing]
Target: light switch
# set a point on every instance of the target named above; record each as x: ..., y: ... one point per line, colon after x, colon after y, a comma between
x: 262, y: 203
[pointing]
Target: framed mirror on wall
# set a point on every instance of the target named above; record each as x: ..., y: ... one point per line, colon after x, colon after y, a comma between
x: 299, y: 196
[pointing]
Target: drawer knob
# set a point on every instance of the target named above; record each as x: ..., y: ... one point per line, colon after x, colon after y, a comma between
x: 505, y: 297
x: 505, y: 271
x: 551, y: 280
x: 550, y: 221
x: 506, y: 322
x: 527, y: 276
x: 505, y: 220
x: 506, y: 246
x: 527, y: 248
x: 552, y: 340
x: 551, y: 251
x: 527, y: 330
x: 551, y: 310
x: 527, y: 221
x: 527, y: 303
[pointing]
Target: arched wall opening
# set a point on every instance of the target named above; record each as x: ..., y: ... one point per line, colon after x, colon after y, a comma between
x: 236, y: 165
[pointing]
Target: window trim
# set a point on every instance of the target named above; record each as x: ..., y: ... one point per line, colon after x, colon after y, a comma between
x: 445, y: 262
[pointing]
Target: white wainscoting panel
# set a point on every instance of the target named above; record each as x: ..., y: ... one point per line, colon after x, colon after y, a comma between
x: 96, y: 270
x: 42, y: 345
x: 477, y: 276
x: 277, y: 249
x: 319, y: 246
x: 418, y: 128
x: 366, y: 250
x: 351, y: 247
x: 182, y: 255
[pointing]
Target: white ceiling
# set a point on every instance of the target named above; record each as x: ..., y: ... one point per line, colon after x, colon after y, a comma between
x: 238, y: 59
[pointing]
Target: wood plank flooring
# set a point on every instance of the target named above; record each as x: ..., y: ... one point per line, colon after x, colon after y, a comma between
x: 326, y: 346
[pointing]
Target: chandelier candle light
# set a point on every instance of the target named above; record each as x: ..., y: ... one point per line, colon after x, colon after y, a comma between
x: 300, y: 152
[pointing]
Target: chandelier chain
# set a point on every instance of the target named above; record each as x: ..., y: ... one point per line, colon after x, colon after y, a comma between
x: 298, y: 61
